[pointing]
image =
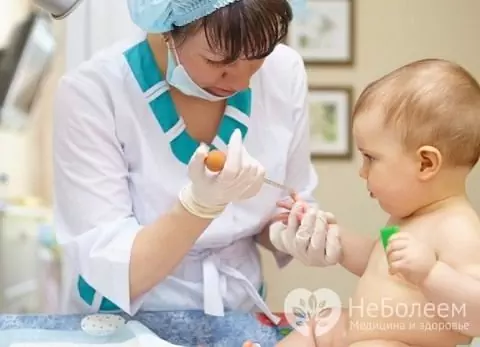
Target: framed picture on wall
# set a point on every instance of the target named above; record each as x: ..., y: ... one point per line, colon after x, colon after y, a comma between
x: 324, y: 34
x: 330, y: 122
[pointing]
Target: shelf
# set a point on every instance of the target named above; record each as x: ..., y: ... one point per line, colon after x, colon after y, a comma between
x: 25, y: 211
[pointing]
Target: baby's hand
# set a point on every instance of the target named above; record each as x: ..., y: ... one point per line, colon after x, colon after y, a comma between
x: 288, y: 205
x: 310, y: 236
x: 409, y: 257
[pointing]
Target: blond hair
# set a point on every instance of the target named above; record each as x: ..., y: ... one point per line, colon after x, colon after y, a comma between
x: 430, y: 102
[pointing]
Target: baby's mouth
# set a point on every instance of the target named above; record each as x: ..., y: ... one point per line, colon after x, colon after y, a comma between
x: 371, y: 195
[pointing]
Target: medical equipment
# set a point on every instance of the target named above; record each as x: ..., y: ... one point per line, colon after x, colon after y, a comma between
x: 216, y: 160
x: 386, y: 233
x: 24, y: 67
x: 59, y: 9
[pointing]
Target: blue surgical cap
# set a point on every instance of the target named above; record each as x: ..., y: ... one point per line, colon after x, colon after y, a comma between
x: 160, y: 16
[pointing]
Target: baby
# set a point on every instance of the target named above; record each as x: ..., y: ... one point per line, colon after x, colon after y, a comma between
x: 418, y: 130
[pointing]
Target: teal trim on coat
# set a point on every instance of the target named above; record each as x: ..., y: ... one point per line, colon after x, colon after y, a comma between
x: 142, y: 63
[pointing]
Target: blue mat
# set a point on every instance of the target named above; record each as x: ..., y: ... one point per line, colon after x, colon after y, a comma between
x: 184, y: 328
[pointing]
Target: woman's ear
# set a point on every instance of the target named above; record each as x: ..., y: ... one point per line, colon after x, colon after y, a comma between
x: 167, y: 38
x: 430, y: 162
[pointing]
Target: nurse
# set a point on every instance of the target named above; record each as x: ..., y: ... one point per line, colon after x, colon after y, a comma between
x: 142, y: 223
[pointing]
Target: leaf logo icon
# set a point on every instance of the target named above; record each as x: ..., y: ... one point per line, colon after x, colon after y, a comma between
x: 302, y: 307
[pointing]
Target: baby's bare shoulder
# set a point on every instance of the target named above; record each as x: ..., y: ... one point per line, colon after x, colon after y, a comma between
x: 458, y: 227
x: 458, y: 241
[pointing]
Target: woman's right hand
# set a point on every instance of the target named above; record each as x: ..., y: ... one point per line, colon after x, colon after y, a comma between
x: 208, y: 194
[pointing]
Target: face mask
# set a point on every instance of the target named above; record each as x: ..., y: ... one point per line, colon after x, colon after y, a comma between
x: 178, y: 77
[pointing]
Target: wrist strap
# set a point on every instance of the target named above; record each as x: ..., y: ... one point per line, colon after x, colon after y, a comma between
x: 192, y: 205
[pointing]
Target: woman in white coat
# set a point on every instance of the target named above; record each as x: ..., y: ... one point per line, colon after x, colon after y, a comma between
x: 142, y: 224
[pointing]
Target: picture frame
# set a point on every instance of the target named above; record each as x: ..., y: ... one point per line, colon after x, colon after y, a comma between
x: 330, y: 122
x: 324, y: 34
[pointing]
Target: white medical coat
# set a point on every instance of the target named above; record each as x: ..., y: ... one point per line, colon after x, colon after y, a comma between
x: 120, y: 154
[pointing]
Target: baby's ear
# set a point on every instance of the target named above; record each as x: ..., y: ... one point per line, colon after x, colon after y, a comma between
x: 430, y: 162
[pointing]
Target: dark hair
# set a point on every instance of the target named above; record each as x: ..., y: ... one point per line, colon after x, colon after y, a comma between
x: 246, y: 28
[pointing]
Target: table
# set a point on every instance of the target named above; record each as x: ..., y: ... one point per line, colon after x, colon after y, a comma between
x: 186, y: 328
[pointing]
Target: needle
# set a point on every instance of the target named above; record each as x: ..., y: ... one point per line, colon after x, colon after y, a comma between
x: 280, y: 186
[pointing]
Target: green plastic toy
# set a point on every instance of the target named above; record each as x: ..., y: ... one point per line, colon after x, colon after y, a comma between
x: 387, y: 232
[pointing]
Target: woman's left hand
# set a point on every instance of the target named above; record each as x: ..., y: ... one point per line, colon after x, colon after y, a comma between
x: 311, y: 236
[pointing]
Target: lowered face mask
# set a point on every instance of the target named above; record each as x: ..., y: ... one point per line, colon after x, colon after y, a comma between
x: 178, y: 77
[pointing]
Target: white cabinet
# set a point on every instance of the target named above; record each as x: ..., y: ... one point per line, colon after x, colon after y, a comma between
x: 19, y: 262
x: 96, y: 24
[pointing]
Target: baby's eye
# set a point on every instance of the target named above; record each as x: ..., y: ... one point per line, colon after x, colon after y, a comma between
x: 368, y: 157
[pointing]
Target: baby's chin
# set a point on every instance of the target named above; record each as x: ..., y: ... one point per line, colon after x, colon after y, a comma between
x: 394, y: 212
x: 390, y: 207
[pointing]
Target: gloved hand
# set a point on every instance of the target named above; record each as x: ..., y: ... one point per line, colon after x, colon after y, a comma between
x: 208, y: 194
x: 314, y: 240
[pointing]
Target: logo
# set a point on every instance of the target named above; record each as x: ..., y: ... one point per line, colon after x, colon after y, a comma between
x: 312, y: 312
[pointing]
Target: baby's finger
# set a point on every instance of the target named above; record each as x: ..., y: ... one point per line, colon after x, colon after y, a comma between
x: 396, y: 245
x: 394, y: 256
x: 286, y: 204
x: 289, y: 202
x: 400, y: 236
x: 295, y: 196
x: 283, y: 217
x: 395, y: 267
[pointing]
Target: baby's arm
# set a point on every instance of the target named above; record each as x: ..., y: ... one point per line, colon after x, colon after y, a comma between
x: 356, y: 250
x: 453, y: 284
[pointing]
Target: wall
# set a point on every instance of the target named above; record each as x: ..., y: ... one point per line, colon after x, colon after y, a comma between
x: 102, y: 23
x: 388, y: 34
x: 42, y: 178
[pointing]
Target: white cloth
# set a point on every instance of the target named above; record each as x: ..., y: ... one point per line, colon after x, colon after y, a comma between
x: 114, y: 172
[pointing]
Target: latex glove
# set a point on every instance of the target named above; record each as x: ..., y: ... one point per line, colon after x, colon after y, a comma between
x: 410, y: 257
x: 314, y: 240
x: 209, y: 193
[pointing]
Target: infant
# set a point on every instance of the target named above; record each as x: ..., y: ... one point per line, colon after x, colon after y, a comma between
x: 418, y: 130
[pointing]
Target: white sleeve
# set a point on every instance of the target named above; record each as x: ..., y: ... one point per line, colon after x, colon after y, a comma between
x: 93, y: 209
x: 301, y: 174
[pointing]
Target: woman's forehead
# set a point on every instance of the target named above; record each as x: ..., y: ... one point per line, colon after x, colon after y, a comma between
x: 197, y: 43
x: 249, y: 31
